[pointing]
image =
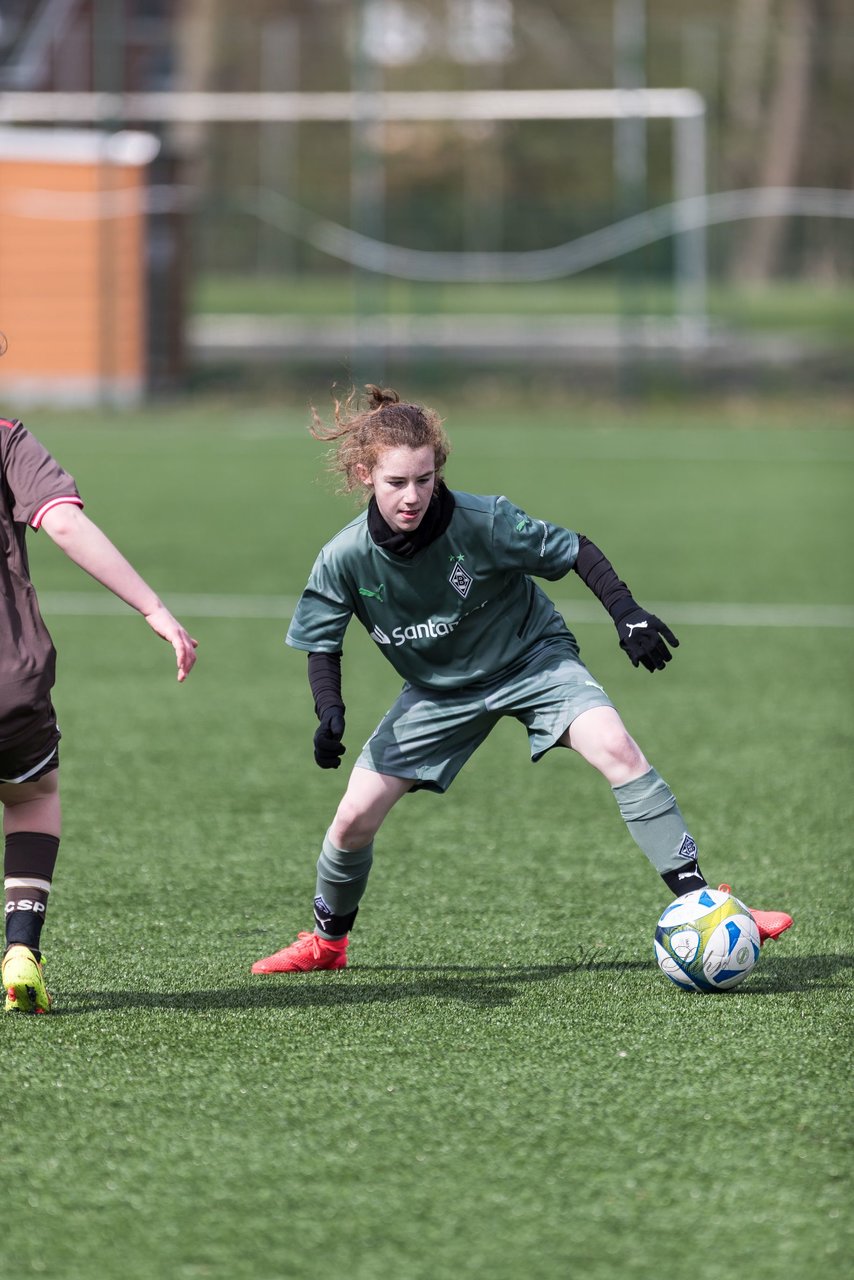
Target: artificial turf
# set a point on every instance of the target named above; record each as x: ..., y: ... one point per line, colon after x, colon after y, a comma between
x: 501, y: 1084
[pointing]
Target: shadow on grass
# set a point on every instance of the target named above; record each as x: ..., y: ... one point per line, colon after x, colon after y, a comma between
x: 485, y: 986
x: 780, y: 974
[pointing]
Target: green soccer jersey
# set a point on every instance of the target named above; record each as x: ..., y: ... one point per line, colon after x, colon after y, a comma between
x: 461, y: 611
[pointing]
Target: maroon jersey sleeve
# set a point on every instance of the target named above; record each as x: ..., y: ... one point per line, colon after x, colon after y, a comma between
x: 33, y: 479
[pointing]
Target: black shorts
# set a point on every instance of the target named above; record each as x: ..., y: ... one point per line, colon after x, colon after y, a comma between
x: 33, y: 751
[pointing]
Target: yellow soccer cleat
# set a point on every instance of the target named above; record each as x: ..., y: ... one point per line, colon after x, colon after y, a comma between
x: 23, y: 982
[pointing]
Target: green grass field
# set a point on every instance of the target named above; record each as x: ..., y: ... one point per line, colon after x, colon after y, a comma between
x: 501, y: 1084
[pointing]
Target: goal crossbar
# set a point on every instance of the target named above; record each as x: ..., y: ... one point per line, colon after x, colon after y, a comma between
x: 474, y: 104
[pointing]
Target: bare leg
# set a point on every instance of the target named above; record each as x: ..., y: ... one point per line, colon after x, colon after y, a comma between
x: 364, y: 807
x: 600, y: 737
x: 646, y: 802
x: 32, y: 806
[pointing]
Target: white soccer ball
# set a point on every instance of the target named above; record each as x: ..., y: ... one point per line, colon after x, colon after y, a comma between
x: 707, y: 940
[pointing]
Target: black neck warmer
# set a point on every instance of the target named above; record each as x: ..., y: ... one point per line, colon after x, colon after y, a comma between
x: 435, y: 521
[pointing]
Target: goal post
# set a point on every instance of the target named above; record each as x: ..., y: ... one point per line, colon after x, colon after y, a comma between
x: 684, y: 108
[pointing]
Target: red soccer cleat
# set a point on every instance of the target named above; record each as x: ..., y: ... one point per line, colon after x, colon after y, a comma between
x: 308, y: 952
x: 769, y: 923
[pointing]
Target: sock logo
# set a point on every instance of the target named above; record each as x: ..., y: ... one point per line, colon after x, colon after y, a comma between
x: 323, y: 913
x: 25, y: 904
x: 688, y: 848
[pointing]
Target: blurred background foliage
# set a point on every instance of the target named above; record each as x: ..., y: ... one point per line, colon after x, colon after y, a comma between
x: 775, y: 76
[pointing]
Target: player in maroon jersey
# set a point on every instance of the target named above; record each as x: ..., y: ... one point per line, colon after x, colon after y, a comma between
x: 36, y: 492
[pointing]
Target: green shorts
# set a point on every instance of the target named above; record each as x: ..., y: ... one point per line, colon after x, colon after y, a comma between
x: 429, y: 734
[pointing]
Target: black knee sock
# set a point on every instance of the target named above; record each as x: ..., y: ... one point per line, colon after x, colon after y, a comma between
x: 29, y: 863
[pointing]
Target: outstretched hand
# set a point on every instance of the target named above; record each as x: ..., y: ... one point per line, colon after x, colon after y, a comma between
x: 328, y: 747
x: 642, y: 637
x: 161, y: 621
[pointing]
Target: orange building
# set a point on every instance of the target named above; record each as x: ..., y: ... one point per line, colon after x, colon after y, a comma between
x: 73, y: 287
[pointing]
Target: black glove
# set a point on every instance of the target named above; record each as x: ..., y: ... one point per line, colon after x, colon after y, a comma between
x: 328, y: 747
x: 642, y: 636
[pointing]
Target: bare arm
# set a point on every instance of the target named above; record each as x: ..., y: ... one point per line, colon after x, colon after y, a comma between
x: 90, y: 548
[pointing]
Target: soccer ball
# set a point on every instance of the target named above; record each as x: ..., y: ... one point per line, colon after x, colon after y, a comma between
x: 707, y: 940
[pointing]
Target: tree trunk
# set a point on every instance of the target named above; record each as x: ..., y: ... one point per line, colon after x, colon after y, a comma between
x: 198, y: 28
x: 758, y: 250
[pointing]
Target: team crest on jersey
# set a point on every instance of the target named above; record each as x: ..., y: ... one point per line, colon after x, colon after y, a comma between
x: 459, y: 579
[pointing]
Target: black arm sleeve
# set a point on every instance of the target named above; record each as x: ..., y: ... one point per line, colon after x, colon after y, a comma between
x: 596, y: 572
x: 324, y: 676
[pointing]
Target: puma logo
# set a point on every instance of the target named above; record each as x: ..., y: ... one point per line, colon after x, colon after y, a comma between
x: 634, y: 626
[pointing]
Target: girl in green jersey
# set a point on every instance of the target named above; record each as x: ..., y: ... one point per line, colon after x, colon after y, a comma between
x: 443, y: 582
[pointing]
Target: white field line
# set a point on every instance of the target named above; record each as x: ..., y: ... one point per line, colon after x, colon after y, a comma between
x: 89, y: 604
